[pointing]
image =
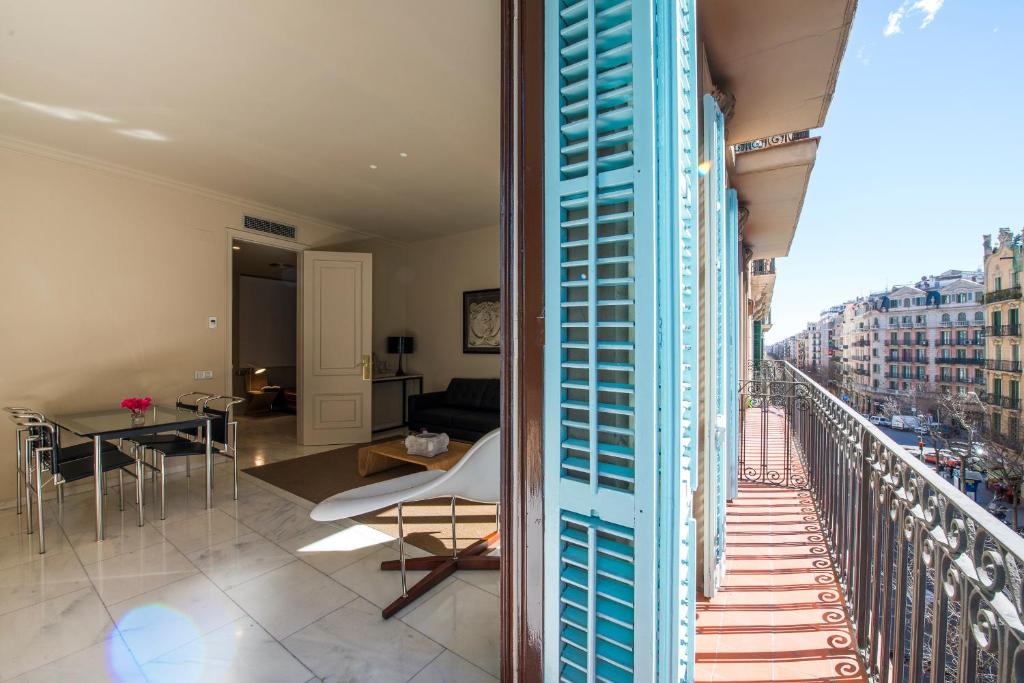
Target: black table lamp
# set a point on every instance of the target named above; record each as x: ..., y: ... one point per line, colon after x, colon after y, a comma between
x: 401, y: 346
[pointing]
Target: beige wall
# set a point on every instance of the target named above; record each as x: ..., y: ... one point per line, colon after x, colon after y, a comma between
x: 417, y: 290
x: 442, y: 270
x: 109, y: 280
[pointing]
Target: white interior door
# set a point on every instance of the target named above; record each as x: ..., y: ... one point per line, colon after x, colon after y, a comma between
x: 335, y: 326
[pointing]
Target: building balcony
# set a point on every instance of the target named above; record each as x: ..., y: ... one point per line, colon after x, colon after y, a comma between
x: 959, y: 342
x: 953, y: 360
x: 762, y: 266
x: 1001, y: 401
x: 1003, y: 365
x: 1007, y: 294
x: 1002, y: 330
x: 854, y: 561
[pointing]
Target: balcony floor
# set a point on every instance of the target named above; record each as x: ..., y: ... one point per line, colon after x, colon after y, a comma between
x: 778, y: 615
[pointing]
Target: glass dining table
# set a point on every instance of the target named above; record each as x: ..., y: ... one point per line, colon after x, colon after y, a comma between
x: 104, y: 425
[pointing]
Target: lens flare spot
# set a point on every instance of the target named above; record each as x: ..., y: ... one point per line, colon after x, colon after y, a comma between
x: 703, y: 168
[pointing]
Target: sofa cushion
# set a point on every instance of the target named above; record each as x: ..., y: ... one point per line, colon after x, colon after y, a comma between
x: 437, y: 417
x: 465, y: 393
x: 491, y: 399
x: 474, y: 420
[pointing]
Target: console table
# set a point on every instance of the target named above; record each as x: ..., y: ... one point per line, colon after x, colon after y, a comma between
x: 404, y: 381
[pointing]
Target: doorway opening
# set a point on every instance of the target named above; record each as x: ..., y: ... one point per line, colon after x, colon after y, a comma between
x: 264, y: 356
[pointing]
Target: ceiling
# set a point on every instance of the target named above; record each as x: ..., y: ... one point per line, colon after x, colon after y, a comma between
x: 285, y: 104
x: 779, y: 59
x: 261, y: 260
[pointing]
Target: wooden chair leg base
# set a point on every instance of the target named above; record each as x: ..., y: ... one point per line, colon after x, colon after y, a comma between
x: 440, y: 568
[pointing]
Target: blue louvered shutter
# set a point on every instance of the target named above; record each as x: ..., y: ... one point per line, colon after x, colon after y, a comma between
x: 679, y: 326
x: 731, y: 390
x: 715, y: 351
x: 606, y: 373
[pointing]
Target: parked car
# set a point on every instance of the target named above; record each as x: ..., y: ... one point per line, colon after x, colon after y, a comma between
x: 905, y: 423
x: 876, y: 419
x: 884, y: 421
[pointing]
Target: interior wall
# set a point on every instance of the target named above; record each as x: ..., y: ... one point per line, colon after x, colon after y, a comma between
x: 417, y: 291
x: 443, y: 269
x: 111, y: 278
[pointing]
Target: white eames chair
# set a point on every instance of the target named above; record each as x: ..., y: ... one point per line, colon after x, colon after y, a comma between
x: 475, y: 477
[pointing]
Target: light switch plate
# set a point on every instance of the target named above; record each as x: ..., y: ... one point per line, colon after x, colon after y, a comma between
x: 204, y: 374
x: 213, y: 322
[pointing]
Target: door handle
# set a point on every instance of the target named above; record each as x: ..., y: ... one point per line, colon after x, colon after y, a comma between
x: 366, y: 366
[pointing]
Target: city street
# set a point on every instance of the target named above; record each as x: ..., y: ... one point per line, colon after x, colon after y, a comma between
x: 984, y: 495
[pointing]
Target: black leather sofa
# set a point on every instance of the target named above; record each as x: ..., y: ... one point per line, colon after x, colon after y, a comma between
x: 466, y: 410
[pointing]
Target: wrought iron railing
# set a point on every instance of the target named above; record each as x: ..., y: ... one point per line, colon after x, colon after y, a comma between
x: 1003, y: 365
x: 1000, y: 401
x: 762, y: 266
x: 931, y: 581
x: 1002, y: 295
x: 1012, y: 330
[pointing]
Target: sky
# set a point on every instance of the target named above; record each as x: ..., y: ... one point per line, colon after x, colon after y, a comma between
x: 920, y: 154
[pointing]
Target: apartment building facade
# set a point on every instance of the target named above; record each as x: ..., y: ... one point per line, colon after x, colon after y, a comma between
x: 1002, y: 373
x: 912, y: 342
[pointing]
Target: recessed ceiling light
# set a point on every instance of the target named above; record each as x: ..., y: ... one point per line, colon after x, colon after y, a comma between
x: 403, y: 155
x: 236, y: 247
x: 373, y: 166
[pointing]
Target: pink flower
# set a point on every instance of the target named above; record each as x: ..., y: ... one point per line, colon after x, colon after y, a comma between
x: 137, y: 405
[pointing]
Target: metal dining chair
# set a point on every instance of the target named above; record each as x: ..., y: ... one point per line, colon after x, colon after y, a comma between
x: 24, y: 455
x: 175, y: 438
x: 66, y: 465
x: 15, y: 413
x: 223, y: 436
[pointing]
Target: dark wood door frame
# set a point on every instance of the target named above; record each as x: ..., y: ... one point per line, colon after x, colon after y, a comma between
x: 522, y: 279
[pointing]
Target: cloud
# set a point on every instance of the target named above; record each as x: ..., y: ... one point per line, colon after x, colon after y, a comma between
x: 927, y: 8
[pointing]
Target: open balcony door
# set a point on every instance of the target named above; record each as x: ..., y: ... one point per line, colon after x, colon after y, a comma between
x: 335, y: 327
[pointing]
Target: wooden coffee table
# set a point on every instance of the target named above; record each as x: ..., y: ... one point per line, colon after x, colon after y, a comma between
x: 384, y: 456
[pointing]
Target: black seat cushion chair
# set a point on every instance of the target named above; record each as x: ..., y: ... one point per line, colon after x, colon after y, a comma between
x: 466, y: 410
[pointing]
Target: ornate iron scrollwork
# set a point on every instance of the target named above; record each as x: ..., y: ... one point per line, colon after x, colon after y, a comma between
x: 933, y: 584
x: 771, y: 393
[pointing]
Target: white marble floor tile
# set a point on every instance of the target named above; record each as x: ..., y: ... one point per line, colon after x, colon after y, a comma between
x: 121, y: 534
x: 107, y: 661
x: 380, y: 587
x: 488, y: 580
x: 330, y: 548
x: 203, y: 530
x: 234, y: 562
x: 354, y: 643
x: 463, y: 618
x: 281, y: 521
x: 164, y: 619
x: 44, y: 577
x: 239, y: 652
x: 289, y: 598
x: 11, y: 522
x: 124, y: 576
x: 184, y: 497
x: 18, y: 548
x: 451, y: 668
x: 65, y: 624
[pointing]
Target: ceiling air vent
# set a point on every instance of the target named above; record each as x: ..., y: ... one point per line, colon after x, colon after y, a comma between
x: 270, y: 227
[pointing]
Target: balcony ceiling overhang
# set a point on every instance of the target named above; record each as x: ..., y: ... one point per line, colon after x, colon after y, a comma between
x: 771, y: 184
x: 779, y: 59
